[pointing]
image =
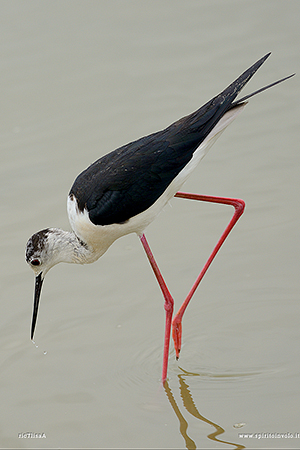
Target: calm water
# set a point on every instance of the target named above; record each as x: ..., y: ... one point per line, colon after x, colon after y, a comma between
x: 79, y: 79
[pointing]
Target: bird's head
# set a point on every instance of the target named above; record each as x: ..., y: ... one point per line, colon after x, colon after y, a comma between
x: 42, y: 253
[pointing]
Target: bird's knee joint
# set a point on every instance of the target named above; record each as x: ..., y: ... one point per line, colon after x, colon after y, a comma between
x: 169, y: 305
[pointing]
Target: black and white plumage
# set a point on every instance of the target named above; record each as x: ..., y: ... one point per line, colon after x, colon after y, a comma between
x: 123, y: 191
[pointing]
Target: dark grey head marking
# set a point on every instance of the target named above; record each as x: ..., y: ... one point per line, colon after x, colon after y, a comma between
x: 36, y: 244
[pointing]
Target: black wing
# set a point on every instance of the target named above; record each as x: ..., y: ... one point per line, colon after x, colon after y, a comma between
x: 130, y: 179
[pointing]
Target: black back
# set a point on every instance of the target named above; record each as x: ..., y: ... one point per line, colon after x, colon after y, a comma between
x: 130, y: 179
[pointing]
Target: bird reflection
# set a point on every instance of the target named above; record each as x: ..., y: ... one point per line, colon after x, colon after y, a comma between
x: 191, y: 408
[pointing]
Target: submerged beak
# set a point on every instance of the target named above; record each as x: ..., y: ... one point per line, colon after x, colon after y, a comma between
x: 37, y: 293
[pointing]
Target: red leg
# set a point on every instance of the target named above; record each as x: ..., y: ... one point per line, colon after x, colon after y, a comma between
x: 239, y: 206
x: 169, y: 304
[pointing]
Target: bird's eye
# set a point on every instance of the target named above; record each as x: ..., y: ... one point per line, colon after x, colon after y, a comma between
x: 35, y: 262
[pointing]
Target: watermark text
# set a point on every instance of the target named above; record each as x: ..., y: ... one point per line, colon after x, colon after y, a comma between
x: 31, y: 435
x: 287, y: 435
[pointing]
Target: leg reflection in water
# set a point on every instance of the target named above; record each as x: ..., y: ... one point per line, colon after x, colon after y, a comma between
x: 191, y: 408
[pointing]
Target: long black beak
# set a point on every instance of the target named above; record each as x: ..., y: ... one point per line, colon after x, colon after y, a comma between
x: 37, y: 293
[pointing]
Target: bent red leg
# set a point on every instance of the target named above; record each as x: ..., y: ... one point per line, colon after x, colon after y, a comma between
x: 239, y: 206
x: 169, y: 304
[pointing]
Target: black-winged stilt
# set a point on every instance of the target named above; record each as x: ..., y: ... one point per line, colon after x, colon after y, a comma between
x: 123, y: 192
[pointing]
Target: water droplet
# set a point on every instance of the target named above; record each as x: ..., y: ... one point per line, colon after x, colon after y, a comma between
x: 239, y: 425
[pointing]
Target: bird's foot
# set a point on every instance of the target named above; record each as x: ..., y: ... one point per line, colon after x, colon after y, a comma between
x: 177, y: 333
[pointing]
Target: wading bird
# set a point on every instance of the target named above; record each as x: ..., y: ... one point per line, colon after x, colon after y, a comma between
x: 124, y: 191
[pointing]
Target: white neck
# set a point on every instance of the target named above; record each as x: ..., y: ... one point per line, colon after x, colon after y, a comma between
x: 65, y: 246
